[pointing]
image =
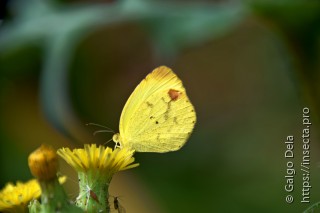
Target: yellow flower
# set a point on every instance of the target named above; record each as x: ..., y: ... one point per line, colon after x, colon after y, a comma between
x: 95, y: 167
x: 98, y: 159
x: 15, y: 198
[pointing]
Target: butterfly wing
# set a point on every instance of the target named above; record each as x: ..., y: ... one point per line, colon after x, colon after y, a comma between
x: 158, y: 116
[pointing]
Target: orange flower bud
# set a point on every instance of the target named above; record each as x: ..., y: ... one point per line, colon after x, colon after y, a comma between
x: 43, y: 163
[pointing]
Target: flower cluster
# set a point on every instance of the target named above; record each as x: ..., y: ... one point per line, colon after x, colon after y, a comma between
x: 15, y: 198
x: 95, y: 166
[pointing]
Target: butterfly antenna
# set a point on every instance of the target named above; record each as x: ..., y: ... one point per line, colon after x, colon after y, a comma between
x: 107, y: 129
x: 99, y: 131
x: 107, y: 141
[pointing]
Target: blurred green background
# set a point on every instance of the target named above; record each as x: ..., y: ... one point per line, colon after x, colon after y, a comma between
x: 249, y: 68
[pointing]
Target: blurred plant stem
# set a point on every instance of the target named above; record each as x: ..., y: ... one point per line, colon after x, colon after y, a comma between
x: 59, y: 28
x: 307, y: 72
x: 53, y: 198
x: 298, y: 24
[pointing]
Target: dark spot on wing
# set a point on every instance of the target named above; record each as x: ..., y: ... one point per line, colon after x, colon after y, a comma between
x: 157, y: 122
x: 149, y: 104
x: 175, y: 120
x: 166, y: 115
x: 151, y: 117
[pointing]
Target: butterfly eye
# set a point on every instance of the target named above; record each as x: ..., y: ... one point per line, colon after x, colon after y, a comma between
x: 174, y: 94
x: 116, y: 138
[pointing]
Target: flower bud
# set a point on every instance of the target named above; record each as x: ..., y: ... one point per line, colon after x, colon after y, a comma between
x: 43, y: 163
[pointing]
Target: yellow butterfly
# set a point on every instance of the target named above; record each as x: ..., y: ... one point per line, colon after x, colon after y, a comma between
x: 158, y: 116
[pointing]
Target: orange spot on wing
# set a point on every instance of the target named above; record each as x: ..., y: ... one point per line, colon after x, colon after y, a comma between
x: 174, y: 94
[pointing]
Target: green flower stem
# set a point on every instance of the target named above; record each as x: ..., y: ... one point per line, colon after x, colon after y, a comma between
x: 93, y: 195
x: 54, y: 198
x: 34, y: 206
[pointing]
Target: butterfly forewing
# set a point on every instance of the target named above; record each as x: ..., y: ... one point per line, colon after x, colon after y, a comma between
x: 158, y: 116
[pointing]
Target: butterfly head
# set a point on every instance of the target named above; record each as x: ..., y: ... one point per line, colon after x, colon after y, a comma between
x: 117, y: 139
